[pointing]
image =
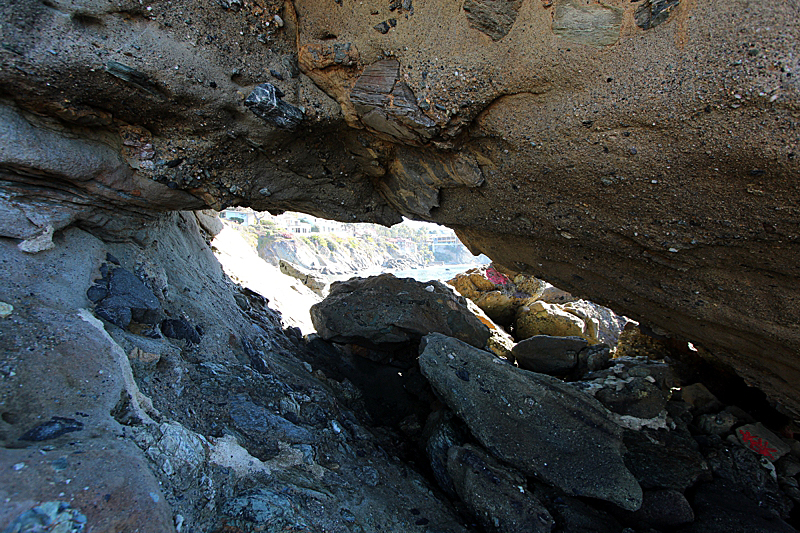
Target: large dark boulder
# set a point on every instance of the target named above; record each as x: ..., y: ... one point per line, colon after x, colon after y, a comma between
x: 549, y: 355
x: 385, y: 311
x: 534, y: 422
x: 679, y: 464
x: 496, y: 494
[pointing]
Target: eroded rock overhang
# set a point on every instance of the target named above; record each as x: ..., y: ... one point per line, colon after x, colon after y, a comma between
x: 644, y: 155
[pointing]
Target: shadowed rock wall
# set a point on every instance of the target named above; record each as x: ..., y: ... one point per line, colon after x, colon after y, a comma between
x: 641, y: 154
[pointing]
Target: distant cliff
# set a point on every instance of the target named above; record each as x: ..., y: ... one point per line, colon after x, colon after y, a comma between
x: 334, y: 254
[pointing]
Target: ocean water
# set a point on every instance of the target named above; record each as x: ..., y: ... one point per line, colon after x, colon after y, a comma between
x: 440, y: 273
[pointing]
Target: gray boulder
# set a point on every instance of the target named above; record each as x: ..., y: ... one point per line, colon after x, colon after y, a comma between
x: 534, y: 422
x: 256, y: 420
x: 549, y: 355
x: 638, y: 397
x: 385, y: 311
x: 496, y: 494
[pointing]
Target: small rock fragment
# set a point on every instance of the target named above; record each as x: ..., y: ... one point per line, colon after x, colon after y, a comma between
x: 6, y: 309
x: 55, y: 427
x: 54, y: 516
x: 701, y: 399
x: 41, y: 242
x: 265, y: 102
x: 549, y: 355
x: 716, y: 424
x: 179, y: 328
x: 654, y: 12
x: 665, y: 508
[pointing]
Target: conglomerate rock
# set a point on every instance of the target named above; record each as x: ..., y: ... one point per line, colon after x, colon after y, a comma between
x: 643, y: 155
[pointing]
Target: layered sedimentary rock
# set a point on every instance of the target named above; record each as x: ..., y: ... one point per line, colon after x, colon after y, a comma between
x: 643, y: 155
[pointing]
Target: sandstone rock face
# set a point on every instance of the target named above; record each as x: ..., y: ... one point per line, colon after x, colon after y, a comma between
x: 496, y: 293
x: 384, y: 311
x: 642, y: 155
x: 540, y: 318
x: 536, y: 423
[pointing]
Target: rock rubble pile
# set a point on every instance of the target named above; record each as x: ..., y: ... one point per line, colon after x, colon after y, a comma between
x: 141, y: 392
x: 568, y: 435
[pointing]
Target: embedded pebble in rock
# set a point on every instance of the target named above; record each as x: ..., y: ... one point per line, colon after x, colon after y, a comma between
x: 6, y: 309
x: 716, y: 424
x: 53, y: 516
x: 55, y: 427
x: 265, y: 102
x: 532, y: 420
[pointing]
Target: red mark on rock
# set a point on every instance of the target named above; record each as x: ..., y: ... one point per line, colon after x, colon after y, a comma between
x: 496, y: 277
x: 757, y: 444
